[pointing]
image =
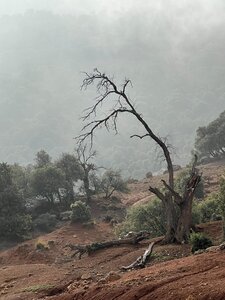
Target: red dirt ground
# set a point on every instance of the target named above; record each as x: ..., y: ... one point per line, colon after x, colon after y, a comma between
x: 53, y: 272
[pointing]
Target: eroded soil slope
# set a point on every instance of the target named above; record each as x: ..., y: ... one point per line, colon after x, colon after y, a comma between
x: 26, y: 273
x: 173, y: 273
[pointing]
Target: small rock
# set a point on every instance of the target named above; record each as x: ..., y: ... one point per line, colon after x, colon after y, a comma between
x: 102, y: 281
x: 222, y: 246
x: 200, y: 251
x: 212, y: 249
x: 112, y: 276
x: 86, y: 277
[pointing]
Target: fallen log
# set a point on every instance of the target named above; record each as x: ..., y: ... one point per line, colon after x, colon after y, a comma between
x: 90, y: 248
x: 142, y: 260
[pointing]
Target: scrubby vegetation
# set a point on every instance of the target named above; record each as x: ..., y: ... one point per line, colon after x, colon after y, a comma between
x: 80, y: 212
x: 149, y: 217
x: 199, y: 241
x: 35, y: 198
x: 14, y: 222
x: 45, y: 222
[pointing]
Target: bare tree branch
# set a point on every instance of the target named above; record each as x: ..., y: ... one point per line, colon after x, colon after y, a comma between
x: 98, y: 123
x: 139, y: 136
x: 177, y: 197
x: 157, y: 192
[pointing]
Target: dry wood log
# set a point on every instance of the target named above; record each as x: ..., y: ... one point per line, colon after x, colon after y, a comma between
x: 90, y: 248
x: 141, y: 261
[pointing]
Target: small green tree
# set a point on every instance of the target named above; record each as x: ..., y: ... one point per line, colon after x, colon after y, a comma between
x: 14, y: 222
x: 80, y: 212
x: 210, y: 139
x: 72, y: 171
x: 47, y: 181
x: 42, y: 159
x: 21, y: 178
x: 112, y: 181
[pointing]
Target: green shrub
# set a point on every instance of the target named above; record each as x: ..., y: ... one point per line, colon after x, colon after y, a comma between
x: 14, y: 222
x: 45, y: 222
x: 80, y: 212
x: 206, y: 209
x: 148, y: 217
x: 15, y: 226
x: 196, y: 213
x: 199, y: 241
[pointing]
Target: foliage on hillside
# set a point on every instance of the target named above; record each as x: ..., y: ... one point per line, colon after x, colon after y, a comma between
x: 210, y: 139
x: 14, y: 222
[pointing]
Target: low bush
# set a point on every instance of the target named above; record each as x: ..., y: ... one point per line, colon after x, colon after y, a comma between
x: 16, y: 226
x: 80, y: 212
x: 41, y: 246
x: 199, y: 241
x: 45, y: 222
x: 206, y: 210
x: 150, y: 217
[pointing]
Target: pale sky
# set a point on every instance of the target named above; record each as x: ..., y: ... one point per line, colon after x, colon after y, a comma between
x: 209, y: 10
x: 178, y: 45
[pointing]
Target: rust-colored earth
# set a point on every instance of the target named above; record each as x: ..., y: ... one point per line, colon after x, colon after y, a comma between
x: 28, y: 273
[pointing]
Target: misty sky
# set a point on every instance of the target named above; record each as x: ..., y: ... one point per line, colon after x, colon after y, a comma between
x: 185, y: 12
x: 172, y: 50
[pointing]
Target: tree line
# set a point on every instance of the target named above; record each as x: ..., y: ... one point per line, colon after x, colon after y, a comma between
x: 51, y: 187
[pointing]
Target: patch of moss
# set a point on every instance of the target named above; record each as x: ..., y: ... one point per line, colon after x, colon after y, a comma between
x: 38, y: 288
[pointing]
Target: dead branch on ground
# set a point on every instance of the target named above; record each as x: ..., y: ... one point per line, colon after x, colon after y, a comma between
x: 142, y: 260
x: 91, y: 248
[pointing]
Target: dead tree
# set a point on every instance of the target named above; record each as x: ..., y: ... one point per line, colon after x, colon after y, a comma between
x: 84, y: 158
x: 88, y: 249
x: 177, y: 227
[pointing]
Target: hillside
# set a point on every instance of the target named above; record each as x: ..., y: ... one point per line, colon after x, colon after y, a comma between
x: 139, y: 193
x: 173, y: 273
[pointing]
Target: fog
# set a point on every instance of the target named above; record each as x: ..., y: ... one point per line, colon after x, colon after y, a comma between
x: 173, y: 51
